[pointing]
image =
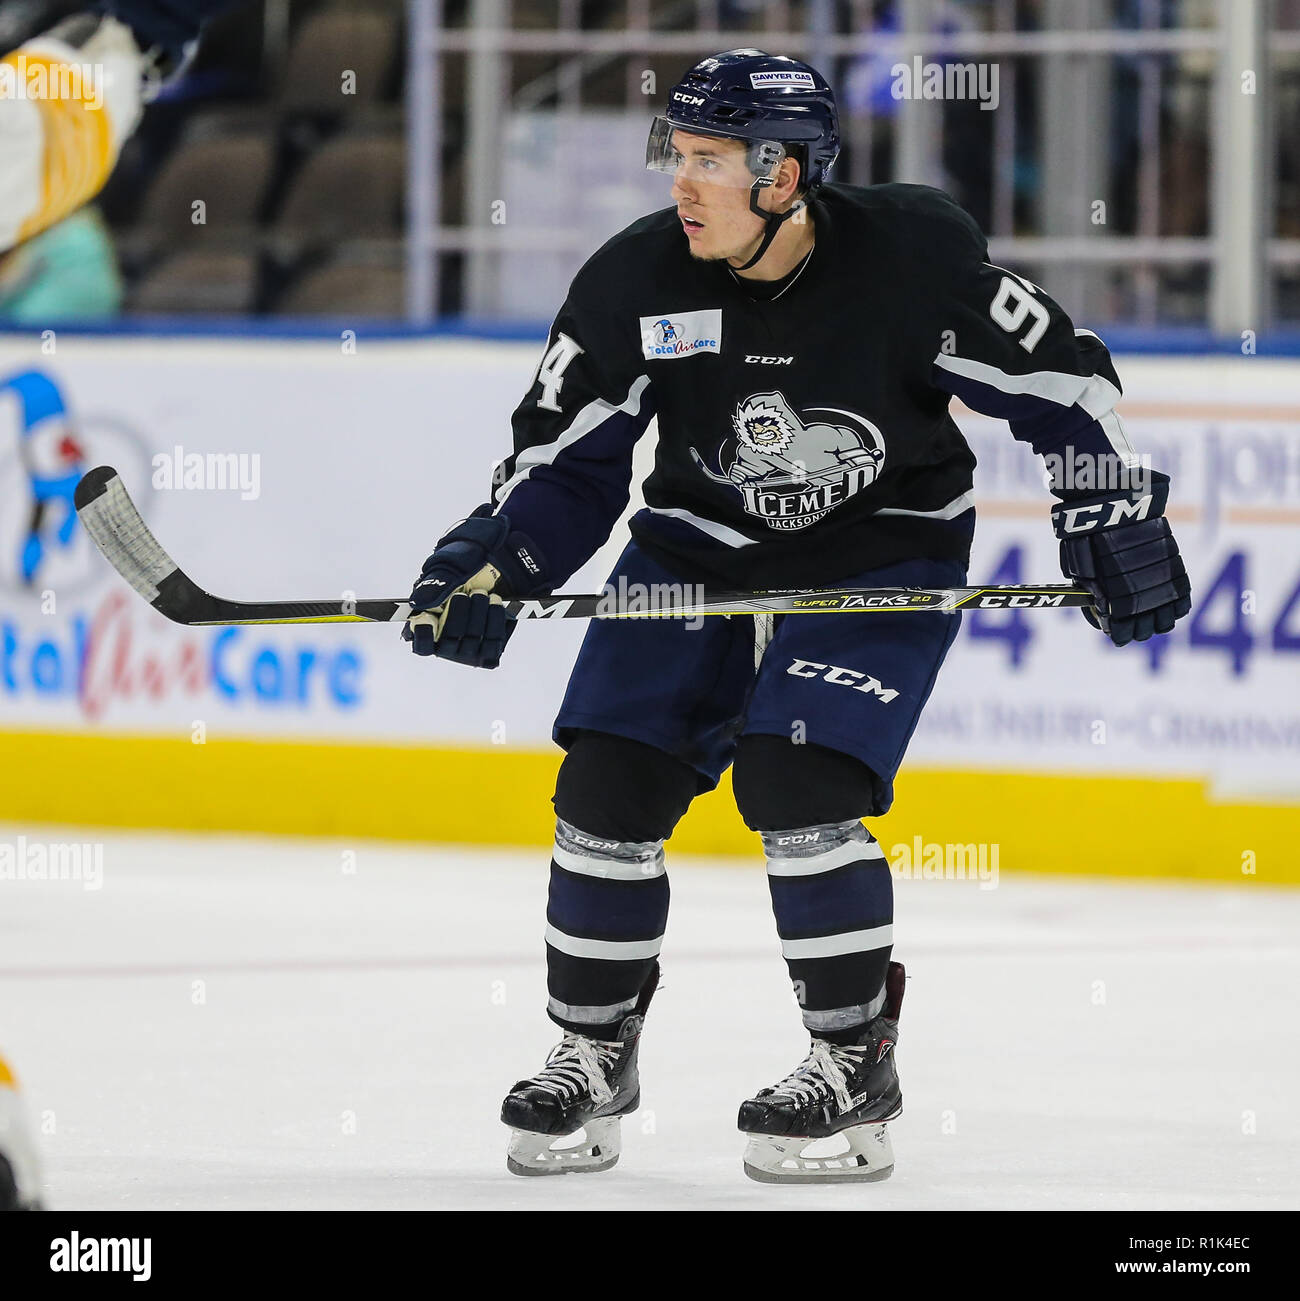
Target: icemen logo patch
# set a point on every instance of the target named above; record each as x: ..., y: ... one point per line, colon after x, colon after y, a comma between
x: 792, y: 469
x: 682, y: 334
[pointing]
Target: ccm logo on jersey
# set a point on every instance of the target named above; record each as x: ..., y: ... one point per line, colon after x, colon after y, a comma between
x: 665, y: 338
x: 842, y: 678
x: 755, y: 360
x: 1082, y: 519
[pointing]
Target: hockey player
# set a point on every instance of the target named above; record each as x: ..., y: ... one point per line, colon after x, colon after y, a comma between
x: 69, y: 98
x: 800, y: 343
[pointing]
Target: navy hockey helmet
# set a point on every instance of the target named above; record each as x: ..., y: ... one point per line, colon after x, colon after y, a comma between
x: 779, y: 107
x: 765, y: 99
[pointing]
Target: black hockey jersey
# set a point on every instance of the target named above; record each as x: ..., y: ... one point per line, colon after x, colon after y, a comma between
x: 803, y: 436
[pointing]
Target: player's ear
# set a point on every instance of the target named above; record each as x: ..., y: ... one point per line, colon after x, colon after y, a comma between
x: 789, y: 180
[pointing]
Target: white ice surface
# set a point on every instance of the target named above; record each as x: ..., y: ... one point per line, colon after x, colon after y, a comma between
x: 1063, y: 1044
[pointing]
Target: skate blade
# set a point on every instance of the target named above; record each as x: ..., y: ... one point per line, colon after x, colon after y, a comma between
x: 597, y: 1148
x: 868, y: 1158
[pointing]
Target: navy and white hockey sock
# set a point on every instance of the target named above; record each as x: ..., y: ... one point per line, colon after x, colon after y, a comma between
x: 833, y: 898
x: 605, y: 920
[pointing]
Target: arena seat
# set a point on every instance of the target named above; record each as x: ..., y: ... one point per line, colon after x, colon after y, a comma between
x: 198, y: 283
x: 228, y: 174
x: 352, y: 186
x: 327, y: 46
x: 347, y: 289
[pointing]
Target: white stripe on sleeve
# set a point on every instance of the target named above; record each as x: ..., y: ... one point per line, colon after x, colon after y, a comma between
x: 1094, y: 393
x: 592, y: 416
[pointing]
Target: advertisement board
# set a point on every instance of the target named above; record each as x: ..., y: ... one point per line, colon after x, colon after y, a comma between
x: 277, y: 469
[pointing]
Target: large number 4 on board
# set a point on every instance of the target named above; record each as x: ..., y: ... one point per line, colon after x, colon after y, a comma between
x: 1231, y: 634
x: 1283, y: 638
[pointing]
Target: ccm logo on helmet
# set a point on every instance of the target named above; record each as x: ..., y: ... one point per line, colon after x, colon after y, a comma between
x: 842, y: 678
x: 682, y: 98
x: 1081, y: 519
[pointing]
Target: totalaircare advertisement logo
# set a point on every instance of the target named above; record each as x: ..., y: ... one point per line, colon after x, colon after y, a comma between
x: 75, y: 641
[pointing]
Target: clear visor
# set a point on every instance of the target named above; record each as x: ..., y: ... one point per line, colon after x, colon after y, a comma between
x: 708, y: 160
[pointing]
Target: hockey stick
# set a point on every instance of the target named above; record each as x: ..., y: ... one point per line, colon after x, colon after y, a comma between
x: 116, y: 528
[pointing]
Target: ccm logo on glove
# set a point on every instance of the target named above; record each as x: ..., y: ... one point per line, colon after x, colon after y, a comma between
x: 1123, y: 509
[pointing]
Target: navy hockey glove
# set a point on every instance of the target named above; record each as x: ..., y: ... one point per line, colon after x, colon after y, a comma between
x: 458, y: 614
x: 1119, y: 547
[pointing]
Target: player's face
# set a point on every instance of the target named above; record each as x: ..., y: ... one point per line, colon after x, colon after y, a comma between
x: 711, y: 189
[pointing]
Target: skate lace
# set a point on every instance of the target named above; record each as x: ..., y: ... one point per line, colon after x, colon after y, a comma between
x: 577, y: 1063
x: 821, y: 1074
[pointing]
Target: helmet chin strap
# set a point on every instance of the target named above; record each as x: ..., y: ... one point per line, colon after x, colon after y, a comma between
x: 772, y: 222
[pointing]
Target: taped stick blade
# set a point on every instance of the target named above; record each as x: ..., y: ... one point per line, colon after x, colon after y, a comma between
x: 118, y: 530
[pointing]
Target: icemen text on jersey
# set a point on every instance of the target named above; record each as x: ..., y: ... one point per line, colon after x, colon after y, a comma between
x: 804, y: 432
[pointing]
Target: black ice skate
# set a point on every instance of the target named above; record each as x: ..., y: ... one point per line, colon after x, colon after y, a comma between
x: 586, y: 1084
x: 836, y: 1091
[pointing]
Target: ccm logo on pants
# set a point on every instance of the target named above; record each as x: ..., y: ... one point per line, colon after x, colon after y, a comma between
x: 842, y: 678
